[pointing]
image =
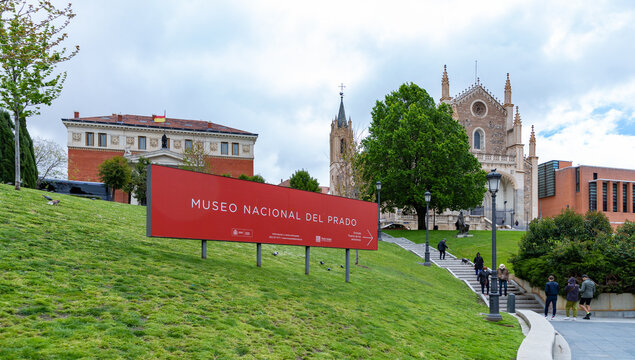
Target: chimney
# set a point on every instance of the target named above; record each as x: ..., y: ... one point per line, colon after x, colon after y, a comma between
x: 76, y: 115
x: 119, y: 118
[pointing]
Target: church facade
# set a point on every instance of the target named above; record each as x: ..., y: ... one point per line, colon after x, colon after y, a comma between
x: 495, y: 135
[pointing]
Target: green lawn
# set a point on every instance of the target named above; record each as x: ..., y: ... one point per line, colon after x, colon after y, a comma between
x: 506, y: 243
x: 81, y: 280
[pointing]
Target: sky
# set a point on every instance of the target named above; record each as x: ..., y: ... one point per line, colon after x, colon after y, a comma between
x: 274, y: 68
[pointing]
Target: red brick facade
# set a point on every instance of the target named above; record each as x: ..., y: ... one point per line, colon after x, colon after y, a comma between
x: 83, y: 163
x: 575, y: 194
x: 233, y: 166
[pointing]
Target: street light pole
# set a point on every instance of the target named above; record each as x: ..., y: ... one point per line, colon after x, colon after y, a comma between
x: 427, y: 196
x: 493, y: 181
x: 379, y: 211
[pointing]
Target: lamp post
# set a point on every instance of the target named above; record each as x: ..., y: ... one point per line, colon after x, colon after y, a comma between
x: 427, y: 196
x: 379, y: 211
x: 504, y: 211
x: 493, y: 181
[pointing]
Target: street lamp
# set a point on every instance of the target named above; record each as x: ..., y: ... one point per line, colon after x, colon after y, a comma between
x: 493, y: 181
x: 378, y: 211
x: 427, y: 196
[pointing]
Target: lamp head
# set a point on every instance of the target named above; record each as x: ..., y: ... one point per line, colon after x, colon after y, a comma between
x: 427, y: 196
x: 379, y: 185
x: 493, y: 181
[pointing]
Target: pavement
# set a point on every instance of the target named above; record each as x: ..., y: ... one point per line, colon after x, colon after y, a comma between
x: 598, y: 338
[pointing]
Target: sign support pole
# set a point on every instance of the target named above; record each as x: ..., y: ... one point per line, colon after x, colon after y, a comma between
x: 307, y: 253
x: 203, y: 249
x: 258, y: 253
x: 347, y: 263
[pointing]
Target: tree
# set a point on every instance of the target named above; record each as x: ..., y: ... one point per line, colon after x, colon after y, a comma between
x: 415, y: 146
x: 138, y: 180
x: 301, y: 180
x: 7, y: 149
x: 255, y: 178
x: 196, y: 159
x: 30, y: 48
x: 50, y: 158
x: 115, y: 173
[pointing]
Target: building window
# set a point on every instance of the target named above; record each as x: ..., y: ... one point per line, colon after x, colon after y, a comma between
x: 577, y: 179
x: 595, y: 176
x: 188, y: 144
x: 593, y: 196
x: 479, y: 139
x: 633, y: 197
x: 234, y: 148
x: 624, y: 187
x: 342, y: 146
x: 102, y: 139
x: 614, y: 197
x: 224, y: 148
x: 604, y: 199
x: 90, y: 139
x: 142, y: 142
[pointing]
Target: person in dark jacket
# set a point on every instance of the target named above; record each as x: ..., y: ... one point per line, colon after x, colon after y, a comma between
x: 483, y: 279
x: 478, y: 263
x: 441, y: 247
x: 572, y: 290
x: 551, y: 290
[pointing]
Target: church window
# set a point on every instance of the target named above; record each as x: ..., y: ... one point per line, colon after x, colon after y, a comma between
x: 235, y: 149
x: 342, y: 146
x: 479, y: 108
x: 479, y: 139
x: 224, y: 148
x: 142, y: 142
x: 90, y: 139
x: 188, y: 144
x: 102, y: 139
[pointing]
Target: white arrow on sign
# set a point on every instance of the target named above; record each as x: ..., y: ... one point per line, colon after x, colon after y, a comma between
x: 369, y: 237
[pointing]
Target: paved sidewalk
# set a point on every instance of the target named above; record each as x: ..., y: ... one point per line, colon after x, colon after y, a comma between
x: 598, y: 338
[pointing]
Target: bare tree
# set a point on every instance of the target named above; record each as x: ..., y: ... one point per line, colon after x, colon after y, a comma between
x: 196, y: 159
x: 50, y: 158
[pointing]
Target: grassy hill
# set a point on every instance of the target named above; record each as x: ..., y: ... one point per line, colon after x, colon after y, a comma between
x: 481, y: 241
x: 81, y: 280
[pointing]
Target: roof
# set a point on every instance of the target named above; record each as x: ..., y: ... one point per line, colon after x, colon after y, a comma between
x: 170, y: 123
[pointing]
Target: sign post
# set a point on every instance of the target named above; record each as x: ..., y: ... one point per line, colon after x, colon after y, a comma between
x: 190, y: 205
x: 307, y: 253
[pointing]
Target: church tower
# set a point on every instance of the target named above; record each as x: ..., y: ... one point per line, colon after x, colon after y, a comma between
x: 341, y: 144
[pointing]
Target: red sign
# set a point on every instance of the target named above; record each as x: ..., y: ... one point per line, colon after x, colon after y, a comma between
x: 190, y: 205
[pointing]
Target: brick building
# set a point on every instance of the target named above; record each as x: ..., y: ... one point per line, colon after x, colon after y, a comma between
x: 583, y: 188
x: 91, y: 140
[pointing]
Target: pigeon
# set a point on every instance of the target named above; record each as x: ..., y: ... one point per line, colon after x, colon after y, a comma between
x: 275, y: 253
x: 329, y: 269
x: 342, y: 266
x: 54, y: 202
x: 47, y: 198
x: 321, y: 262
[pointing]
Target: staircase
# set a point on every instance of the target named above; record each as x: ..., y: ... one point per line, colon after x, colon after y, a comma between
x: 456, y: 267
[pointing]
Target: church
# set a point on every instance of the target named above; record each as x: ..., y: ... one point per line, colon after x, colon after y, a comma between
x: 494, y: 131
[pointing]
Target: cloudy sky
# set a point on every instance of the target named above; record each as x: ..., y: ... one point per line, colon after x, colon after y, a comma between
x: 274, y: 67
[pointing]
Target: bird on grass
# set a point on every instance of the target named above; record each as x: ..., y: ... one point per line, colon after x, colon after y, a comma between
x: 47, y: 198
x: 321, y: 262
x: 342, y: 266
x: 275, y: 253
x: 329, y: 269
x: 54, y: 202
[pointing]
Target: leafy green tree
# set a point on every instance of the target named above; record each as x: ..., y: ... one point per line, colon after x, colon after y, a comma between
x: 138, y: 180
x: 255, y: 178
x: 301, y: 180
x: 31, y: 34
x: 115, y: 173
x: 28, y: 168
x: 7, y: 149
x: 415, y: 146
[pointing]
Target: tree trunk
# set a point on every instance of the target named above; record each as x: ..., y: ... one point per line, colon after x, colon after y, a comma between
x: 421, y: 216
x: 17, y: 150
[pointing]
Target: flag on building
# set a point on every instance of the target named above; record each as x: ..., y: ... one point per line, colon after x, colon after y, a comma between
x: 158, y: 118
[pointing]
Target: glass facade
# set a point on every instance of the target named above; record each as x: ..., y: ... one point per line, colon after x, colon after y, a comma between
x: 614, y: 197
x: 593, y: 196
x: 604, y: 195
x: 624, y: 208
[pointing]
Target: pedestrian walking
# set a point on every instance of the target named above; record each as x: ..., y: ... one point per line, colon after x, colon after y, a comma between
x: 586, y: 295
x: 503, y: 276
x: 478, y: 263
x: 551, y: 290
x: 483, y: 279
x: 441, y: 247
x: 572, y: 290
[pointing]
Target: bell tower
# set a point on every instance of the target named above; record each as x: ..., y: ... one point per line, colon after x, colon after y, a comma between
x: 341, y: 143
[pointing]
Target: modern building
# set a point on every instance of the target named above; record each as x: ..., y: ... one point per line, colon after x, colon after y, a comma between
x: 495, y: 136
x: 91, y: 140
x: 582, y: 188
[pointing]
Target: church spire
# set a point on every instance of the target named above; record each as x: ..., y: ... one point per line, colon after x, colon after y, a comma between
x: 445, y: 86
x: 341, y: 116
x: 508, y: 93
x: 517, y: 118
x: 532, y: 143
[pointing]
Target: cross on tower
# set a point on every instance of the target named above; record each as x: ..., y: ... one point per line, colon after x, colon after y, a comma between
x: 341, y: 89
